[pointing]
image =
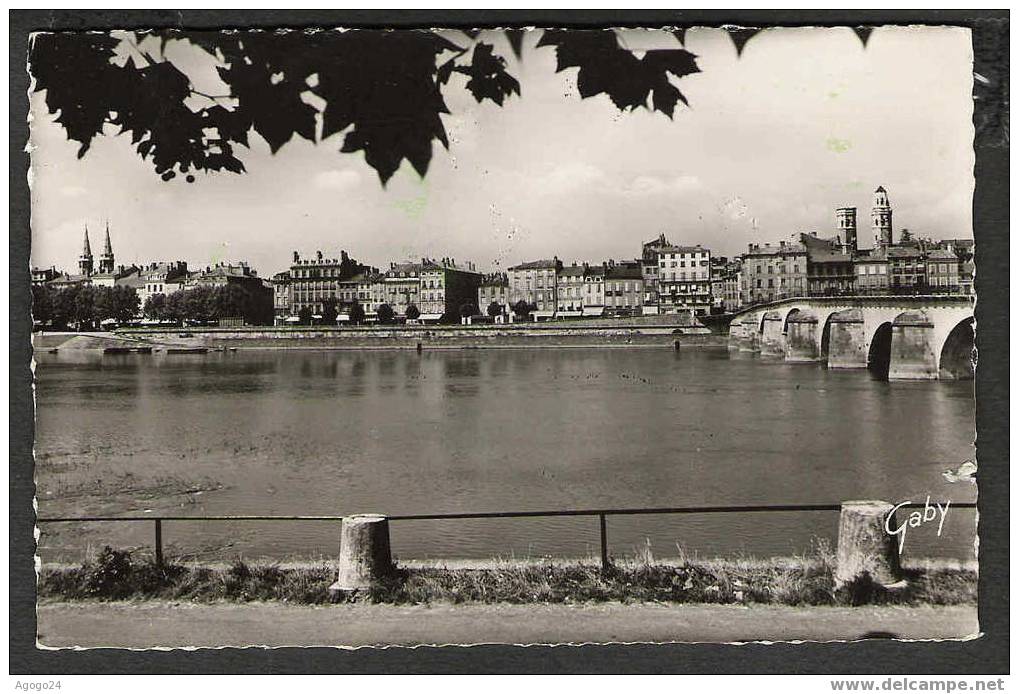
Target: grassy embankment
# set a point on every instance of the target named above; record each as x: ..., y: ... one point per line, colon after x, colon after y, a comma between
x: 806, y: 580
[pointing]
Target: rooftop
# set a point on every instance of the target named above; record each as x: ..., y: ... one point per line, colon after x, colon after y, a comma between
x: 624, y: 272
x: 783, y: 248
x: 684, y: 249
x: 572, y: 271
x: 537, y: 264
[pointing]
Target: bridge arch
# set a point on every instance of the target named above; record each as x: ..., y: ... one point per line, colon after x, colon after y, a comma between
x: 879, y: 352
x: 958, y: 353
x: 825, y: 337
x: 773, y: 339
x: 847, y: 328
x: 913, y: 348
x: 791, y: 313
x: 844, y: 339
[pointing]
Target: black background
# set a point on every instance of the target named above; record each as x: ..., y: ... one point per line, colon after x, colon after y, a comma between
x: 987, y: 654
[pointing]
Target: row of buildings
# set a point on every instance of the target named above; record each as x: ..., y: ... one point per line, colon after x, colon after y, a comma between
x: 811, y: 265
x: 666, y: 278
x: 443, y: 289
x: 162, y: 277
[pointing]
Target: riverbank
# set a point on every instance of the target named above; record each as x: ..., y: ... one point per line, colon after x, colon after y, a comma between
x: 794, y: 581
x: 398, y: 338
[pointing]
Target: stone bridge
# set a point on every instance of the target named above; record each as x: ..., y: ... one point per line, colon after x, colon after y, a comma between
x: 899, y: 337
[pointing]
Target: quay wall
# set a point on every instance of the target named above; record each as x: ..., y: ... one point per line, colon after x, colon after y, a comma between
x: 456, y: 337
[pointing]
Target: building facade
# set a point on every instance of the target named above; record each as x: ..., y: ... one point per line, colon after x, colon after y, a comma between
x: 570, y: 290
x: 314, y: 280
x: 731, y: 285
x: 401, y: 287
x: 942, y: 270
x: 494, y: 289
x: 684, y: 279
x: 447, y: 288
x: 159, y: 278
x: 281, y: 299
x: 43, y: 276
x: 260, y: 293
x: 725, y: 284
x: 871, y: 270
x: 649, y: 270
x: 594, y: 290
x: 624, y: 288
x: 830, y: 269
x: 773, y: 272
x: 907, y: 269
x: 535, y: 283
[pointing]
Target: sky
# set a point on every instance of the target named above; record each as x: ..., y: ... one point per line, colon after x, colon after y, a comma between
x: 805, y: 121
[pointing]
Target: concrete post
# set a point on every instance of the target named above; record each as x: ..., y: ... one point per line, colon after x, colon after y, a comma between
x: 847, y: 344
x: 364, y: 553
x: 913, y: 357
x: 865, y: 546
x: 801, y: 338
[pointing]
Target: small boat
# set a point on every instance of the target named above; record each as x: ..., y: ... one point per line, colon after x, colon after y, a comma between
x: 127, y: 350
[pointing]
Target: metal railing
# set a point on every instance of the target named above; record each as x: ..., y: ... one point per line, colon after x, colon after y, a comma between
x: 602, y: 515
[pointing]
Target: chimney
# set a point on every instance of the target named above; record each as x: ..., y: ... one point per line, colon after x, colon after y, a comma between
x: 318, y: 255
x: 297, y: 256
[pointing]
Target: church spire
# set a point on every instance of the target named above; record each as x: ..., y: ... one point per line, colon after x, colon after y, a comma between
x: 85, y: 266
x: 106, y: 259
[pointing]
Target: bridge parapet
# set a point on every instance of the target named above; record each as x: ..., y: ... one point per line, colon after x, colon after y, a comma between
x: 841, y: 332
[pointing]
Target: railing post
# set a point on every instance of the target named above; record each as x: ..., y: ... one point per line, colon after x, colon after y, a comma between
x: 865, y: 546
x: 365, y: 557
x: 604, y: 543
x: 159, y: 542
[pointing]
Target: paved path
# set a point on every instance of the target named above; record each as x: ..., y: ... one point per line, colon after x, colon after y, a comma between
x: 142, y: 625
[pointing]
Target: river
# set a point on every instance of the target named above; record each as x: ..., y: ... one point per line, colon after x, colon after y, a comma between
x: 333, y: 432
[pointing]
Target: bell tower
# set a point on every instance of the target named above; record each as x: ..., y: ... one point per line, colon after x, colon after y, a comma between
x: 881, y: 219
x: 85, y: 266
x: 845, y: 219
x: 106, y: 258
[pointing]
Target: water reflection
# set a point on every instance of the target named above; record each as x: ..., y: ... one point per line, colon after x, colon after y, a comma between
x: 477, y: 430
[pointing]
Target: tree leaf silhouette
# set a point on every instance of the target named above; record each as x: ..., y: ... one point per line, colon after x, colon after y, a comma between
x: 488, y: 76
x: 386, y: 85
x: 607, y: 68
x: 516, y: 41
x: 380, y: 90
x: 79, y: 78
x: 863, y: 33
x: 267, y: 74
x: 740, y: 36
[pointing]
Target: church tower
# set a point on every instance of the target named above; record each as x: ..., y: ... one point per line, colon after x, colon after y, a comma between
x: 845, y: 219
x: 106, y: 258
x: 881, y: 218
x: 85, y: 266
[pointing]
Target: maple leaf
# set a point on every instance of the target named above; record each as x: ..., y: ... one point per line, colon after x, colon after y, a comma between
x: 487, y: 75
x: 604, y: 67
